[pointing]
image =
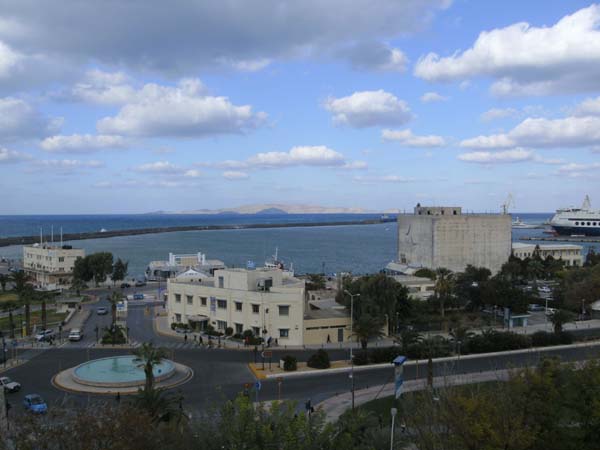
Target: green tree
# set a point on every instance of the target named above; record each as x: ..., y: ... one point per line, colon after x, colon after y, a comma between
x: 82, y: 271
x: 114, y: 299
x: 3, y: 280
x: 470, y: 285
x: 444, y: 280
x: 367, y: 327
x: 149, y: 357
x: 559, y: 318
x: 315, y: 282
x: 101, y: 265
x: 119, y: 271
x: 20, y: 280
x: 9, y: 306
x: 425, y: 273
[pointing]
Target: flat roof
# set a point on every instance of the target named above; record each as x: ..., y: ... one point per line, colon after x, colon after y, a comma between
x: 326, y: 314
x: 519, y: 245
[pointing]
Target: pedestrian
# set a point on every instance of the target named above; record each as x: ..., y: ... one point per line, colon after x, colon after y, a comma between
x: 185, y: 337
x: 269, y: 341
x: 328, y: 339
x: 201, y: 340
x: 276, y: 342
x: 118, y: 397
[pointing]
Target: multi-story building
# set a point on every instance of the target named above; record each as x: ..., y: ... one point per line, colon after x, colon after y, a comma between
x: 435, y: 237
x: 570, y: 254
x: 50, y: 266
x: 267, y: 301
x: 161, y: 270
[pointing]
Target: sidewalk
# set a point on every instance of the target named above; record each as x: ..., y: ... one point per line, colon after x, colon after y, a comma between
x: 334, y: 407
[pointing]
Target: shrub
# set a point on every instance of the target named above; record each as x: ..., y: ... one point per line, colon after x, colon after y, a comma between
x: 496, y: 341
x: 384, y: 354
x: 247, y: 333
x: 173, y: 326
x: 290, y: 363
x: 229, y: 331
x: 238, y: 336
x: 319, y: 360
x: 361, y: 358
x: 543, y: 339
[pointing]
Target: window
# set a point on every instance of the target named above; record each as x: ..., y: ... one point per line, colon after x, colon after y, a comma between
x: 203, y: 301
x: 255, y: 309
x: 177, y: 298
x: 238, y: 306
x: 61, y: 259
x: 256, y: 331
x: 239, y: 328
x: 284, y: 332
x: 190, y: 299
x: 178, y: 318
x: 284, y: 310
x: 221, y: 325
x: 221, y: 282
x: 222, y: 304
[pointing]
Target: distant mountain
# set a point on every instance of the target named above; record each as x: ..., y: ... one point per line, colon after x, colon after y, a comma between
x: 276, y: 208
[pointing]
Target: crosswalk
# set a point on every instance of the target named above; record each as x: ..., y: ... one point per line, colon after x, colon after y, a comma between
x: 136, y: 344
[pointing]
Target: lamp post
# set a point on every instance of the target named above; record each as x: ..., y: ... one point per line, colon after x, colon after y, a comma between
x: 351, y: 353
x: 393, y: 412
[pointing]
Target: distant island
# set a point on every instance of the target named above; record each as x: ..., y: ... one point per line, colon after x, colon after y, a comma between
x: 276, y: 208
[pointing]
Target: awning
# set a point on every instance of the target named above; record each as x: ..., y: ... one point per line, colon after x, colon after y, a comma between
x: 198, y: 318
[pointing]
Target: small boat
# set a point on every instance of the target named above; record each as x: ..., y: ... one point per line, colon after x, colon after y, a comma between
x: 103, y: 230
x: 518, y: 223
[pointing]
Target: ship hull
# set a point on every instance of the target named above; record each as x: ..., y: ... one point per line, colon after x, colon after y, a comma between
x: 569, y: 231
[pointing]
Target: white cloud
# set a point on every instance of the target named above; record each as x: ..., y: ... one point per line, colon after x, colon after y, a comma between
x: 355, y: 165
x: 11, y: 156
x: 543, y: 133
x: 180, y: 111
x: 528, y: 60
x: 589, y: 107
x: 104, y: 88
x: 383, y: 179
x: 196, y: 36
x: 246, y: 65
x: 507, y: 156
x: 498, y: 113
x: 65, y: 166
x: 318, y: 155
x: 578, y: 167
x: 82, y: 143
x: 408, y: 139
x: 192, y: 173
x: 368, y: 109
x: 163, y: 167
x: 430, y: 97
x: 8, y: 60
x: 235, y: 175
x: 20, y: 121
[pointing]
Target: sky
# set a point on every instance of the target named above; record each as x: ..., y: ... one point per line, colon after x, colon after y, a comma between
x: 131, y: 106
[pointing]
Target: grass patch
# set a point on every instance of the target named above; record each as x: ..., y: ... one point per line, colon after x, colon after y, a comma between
x: 52, y: 317
x: 8, y: 296
x: 382, y: 406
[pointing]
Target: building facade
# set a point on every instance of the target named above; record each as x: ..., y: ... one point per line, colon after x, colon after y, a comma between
x: 435, y: 237
x: 570, y: 254
x: 49, y: 266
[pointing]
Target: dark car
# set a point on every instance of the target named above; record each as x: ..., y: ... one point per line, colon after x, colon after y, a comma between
x: 125, y: 285
x: 140, y: 283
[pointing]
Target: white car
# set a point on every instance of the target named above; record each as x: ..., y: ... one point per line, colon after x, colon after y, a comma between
x: 9, y: 385
x: 44, y: 335
x: 75, y: 334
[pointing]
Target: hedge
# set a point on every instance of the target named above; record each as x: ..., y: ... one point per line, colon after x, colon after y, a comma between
x: 319, y: 360
x: 290, y: 363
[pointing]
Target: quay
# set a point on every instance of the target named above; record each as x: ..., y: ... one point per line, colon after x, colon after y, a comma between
x: 588, y: 239
x: 26, y: 240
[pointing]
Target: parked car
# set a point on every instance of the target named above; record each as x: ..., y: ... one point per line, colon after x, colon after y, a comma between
x: 75, y: 334
x: 125, y: 285
x: 140, y: 283
x: 550, y: 311
x: 44, y: 335
x: 534, y: 307
x: 35, y: 404
x: 102, y: 311
x: 138, y: 296
x: 9, y: 385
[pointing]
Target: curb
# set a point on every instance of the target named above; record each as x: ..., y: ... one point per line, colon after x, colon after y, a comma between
x: 20, y: 362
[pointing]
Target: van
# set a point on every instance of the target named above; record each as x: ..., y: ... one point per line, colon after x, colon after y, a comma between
x: 75, y: 334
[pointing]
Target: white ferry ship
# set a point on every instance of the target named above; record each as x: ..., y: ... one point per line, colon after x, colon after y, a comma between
x: 583, y: 221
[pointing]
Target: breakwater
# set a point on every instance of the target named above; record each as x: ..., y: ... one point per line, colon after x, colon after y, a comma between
x: 26, y: 240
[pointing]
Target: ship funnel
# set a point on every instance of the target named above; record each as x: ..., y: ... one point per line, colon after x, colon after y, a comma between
x: 586, y: 203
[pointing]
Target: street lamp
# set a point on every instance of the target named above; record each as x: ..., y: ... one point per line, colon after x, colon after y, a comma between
x: 393, y: 412
x: 351, y: 354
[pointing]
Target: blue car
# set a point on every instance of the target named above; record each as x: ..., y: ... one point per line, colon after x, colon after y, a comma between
x: 35, y: 404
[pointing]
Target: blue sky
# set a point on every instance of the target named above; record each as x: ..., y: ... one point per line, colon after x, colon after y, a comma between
x: 116, y: 107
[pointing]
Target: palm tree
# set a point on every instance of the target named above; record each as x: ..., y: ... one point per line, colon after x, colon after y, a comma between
x: 443, y: 286
x: 409, y: 337
x: 559, y: 318
x: 3, y: 280
x: 20, y: 279
x: 149, y: 356
x: 114, y: 298
x: 26, y: 295
x: 460, y: 335
x: 367, y: 327
x: 160, y: 406
x: 9, y: 306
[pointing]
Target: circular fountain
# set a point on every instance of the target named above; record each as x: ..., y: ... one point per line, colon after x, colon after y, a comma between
x: 124, y: 374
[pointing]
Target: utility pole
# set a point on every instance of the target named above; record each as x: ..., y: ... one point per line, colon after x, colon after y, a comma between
x: 351, y: 347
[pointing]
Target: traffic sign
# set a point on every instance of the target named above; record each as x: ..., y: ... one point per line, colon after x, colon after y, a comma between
x: 267, y: 354
x: 257, y: 385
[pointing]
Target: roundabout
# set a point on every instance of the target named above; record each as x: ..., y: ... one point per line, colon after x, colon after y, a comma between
x: 119, y: 374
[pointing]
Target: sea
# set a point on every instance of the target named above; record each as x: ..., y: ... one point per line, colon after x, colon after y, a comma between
x: 359, y: 249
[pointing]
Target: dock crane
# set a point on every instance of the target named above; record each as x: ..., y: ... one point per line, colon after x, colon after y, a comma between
x: 510, y: 202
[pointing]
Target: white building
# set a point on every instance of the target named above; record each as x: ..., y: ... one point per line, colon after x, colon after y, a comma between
x: 50, y: 266
x: 569, y: 253
x: 441, y: 236
x: 267, y: 301
x: 161, y: 270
